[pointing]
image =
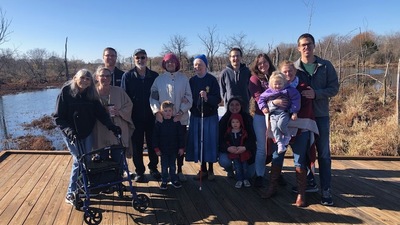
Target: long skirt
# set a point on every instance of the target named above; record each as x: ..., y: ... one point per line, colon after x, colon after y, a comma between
x: 210, y: 139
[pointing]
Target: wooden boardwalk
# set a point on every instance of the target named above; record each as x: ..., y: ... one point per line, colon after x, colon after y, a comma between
x: 33, y: 186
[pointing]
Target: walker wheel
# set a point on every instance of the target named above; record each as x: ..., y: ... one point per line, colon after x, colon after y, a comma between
x: 141, y: 202
x: 93, y: 216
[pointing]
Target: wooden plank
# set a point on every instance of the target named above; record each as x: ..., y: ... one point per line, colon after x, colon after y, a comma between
x: 31, y: 209
x: 15, y: 169
x: 364, y: 192
x: 23, y: 188
x: 48, y: 199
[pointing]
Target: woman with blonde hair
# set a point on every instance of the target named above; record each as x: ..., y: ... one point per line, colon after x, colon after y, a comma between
x: 77, y: 110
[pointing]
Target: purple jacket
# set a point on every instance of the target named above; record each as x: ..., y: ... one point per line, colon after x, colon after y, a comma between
x: 289, y: 93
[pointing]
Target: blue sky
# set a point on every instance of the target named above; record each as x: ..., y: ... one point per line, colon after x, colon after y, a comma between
x: 129, y: 24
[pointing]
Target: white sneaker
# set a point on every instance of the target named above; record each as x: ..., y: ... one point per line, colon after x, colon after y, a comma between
x: 246, y: 183
x: 281, y: 148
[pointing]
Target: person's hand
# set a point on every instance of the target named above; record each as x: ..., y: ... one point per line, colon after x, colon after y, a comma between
x: 265, y: 111
x: 203, y: 94
x: 181, y: 151
x: 282, y: 103
x: 70, y: 133
x: 184, y: 100
x: 309, y: 93
x: 178, y: 116
x: 241, y: 149
x: 294, y: 116
x: 114, y: 112
x: 232, y: 149
x: 157, y: 151
x: 159, y: 117
x: 116, y: 130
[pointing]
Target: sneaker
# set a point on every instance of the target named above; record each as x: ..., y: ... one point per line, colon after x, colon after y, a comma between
x: 258, y: 181
x: 246, y: 183
x: 211, y: 176
x: 176, y: 184
x: 163, y: 186
x: 281, y: 148
x: 140, y: 178
x: 182, y: 177
x: 70, y: 199
x: 202, y: 174
x: 155, y: 174
x: 312, y: 187
x: 239, y: 184
x: 326, y: 198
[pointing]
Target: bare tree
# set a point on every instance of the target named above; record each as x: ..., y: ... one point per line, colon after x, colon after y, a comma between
x: 310, y: 5
x: 66, y: 59
x: 4, y: 27
x: 239, y: 40
x: 36, y: 65
x: 177, y: 45
x: 212, y: 44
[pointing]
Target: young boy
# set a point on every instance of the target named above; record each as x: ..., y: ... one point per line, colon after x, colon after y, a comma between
x: 168, y: 142
x: 280, y: 117
x: 236, y: 137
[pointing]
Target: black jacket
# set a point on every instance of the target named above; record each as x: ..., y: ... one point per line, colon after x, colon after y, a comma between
x: 117, y: 77
x: 168, y: 136
x: 138, y: 89
x: 85, y: 111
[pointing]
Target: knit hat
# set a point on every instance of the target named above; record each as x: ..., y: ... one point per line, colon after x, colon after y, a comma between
x: 171, y: 56
x: 202, y: 57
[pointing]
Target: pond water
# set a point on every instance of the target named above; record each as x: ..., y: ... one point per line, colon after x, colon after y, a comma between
x: 19, y: 109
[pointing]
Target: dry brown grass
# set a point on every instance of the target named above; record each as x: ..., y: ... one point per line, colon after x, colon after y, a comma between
x: 361, y: 125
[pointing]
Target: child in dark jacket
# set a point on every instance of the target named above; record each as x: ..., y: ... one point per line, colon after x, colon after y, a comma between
x: 168, y: 142
x: 236, y: 137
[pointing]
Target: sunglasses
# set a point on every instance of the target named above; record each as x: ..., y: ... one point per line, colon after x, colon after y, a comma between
x: 140, y: 57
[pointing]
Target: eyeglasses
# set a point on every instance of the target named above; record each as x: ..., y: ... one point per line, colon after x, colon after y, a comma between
x: 85, y: 78
x: 105, y: 76
x: 140, y: 57
x: 306, y: 44
x: 110, y: 56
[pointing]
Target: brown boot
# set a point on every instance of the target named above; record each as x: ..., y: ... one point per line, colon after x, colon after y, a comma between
x: 301, y: 176
x: 273, y: 182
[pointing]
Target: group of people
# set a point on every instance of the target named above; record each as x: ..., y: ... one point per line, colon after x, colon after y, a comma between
x: 266, y: 110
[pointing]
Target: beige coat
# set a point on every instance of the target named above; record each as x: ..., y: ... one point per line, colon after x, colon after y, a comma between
x: 102, y: 136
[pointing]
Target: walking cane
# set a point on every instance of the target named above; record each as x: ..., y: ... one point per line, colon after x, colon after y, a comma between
x: 201, y: 138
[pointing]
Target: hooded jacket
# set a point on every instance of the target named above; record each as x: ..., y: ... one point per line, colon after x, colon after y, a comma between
x: 234, y: 83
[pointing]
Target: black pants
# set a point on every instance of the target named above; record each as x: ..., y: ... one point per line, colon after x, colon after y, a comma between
x: 143, y: 130
x: 180, y: 159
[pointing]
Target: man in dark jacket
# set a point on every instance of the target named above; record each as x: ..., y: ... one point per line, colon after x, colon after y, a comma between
x: 234, y: 79
x: 137, y: 83
x: 110, y: 60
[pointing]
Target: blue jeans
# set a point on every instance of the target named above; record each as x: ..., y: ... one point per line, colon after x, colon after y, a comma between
x: 73, y: 149
x: 225, y: 162
x: 261, y: 154
x: 277, y: 159
x: 240, y: 170
x: 324, y: 152
x: 168, y: 161
x: 300, y: 149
